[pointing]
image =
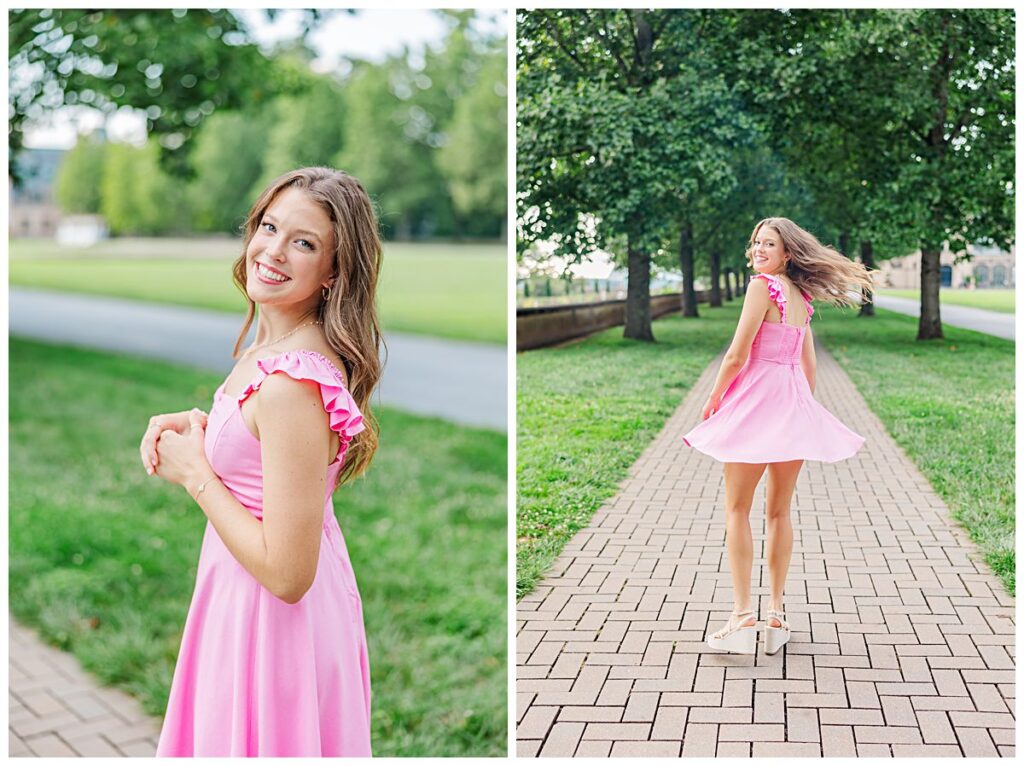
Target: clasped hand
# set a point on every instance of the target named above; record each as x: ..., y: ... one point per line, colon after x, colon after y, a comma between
x: 172, y: 446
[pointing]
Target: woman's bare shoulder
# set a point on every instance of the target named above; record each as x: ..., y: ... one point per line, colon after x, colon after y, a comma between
x: 758, y: 288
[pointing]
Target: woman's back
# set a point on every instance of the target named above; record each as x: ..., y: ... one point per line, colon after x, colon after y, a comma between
x: 768, y: 413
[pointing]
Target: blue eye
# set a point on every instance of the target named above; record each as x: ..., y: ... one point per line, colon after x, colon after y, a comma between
x: 304, y: 242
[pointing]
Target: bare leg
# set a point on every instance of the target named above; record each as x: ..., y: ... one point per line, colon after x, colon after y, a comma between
x: 740, y: 482
x: 781, y: 482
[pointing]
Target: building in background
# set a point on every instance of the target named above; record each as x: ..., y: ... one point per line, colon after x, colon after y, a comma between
x: 988, y: 267
x: 33, y: 213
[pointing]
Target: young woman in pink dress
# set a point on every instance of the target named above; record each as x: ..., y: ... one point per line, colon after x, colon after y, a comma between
x: 273, y: 658
x: 762, y: 414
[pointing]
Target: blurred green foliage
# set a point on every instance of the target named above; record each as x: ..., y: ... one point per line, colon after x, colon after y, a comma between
x: 425, y: 132
x: 177, y: 66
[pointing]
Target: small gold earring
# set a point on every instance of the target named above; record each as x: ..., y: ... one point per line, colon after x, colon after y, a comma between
x: 325, y: 292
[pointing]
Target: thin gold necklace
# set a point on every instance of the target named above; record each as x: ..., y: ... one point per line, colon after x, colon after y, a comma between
x: 278, y: 340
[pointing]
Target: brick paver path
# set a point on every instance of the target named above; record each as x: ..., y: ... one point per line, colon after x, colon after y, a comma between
x: 903, y: 640
x: 56, y: 708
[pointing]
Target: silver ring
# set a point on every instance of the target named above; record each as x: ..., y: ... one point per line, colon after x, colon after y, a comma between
x: 196, y: 425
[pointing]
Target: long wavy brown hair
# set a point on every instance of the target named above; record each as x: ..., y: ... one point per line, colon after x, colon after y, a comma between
x: 349, y: 315
x: 819, y: 270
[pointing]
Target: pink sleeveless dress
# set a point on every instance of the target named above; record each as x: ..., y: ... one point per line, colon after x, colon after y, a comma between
x: 257, y: 676
x: 768, y: 414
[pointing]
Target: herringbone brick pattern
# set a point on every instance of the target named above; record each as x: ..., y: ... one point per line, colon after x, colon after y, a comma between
x: 903, y: 640
x: 56, y: 708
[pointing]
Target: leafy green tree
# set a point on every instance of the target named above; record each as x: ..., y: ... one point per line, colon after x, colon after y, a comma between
x: 401, y: 114
x: 383, y: 146
x: 474, y: 158
x: 721, y: 223
x: 138, y: 197
x: 228, y: 119
x: 449, y: 71
x: 840, y: 156
x: 953, y: 72
x: 927, y: 158
x: 620, y: 120
x: 177, y: 66
x: 305, y: 128
x: 76, y: 187
x: 228, y: 157
x: 583, y: 91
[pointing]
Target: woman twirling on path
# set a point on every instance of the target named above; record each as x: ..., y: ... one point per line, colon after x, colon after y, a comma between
x: 273, y: 659
x: 762, y: 414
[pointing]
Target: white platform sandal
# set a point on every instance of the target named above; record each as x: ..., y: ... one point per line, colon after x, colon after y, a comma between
x: 776, y: 638
x: 735, y: 636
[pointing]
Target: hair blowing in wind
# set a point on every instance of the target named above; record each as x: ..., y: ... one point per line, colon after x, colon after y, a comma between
x: 349, y: 315
x: 819, y: 270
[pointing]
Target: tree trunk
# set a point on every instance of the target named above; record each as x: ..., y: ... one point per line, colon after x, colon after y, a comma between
x: 844, y: 243
x: 930, y: 324
x: 716, y: 287
x: 867, y: 257
x: 686, y: 265
x: 638, y: 296
x: 728, y: 287
x: 644, y: 42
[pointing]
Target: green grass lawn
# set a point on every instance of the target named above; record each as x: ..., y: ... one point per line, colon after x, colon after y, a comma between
x: 448, y: 290
x: 994, y: 299
x: 950, y: 405
x: 103, y: 557
x: 585, y: 413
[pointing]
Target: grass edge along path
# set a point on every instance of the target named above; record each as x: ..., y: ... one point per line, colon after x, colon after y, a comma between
x: 996, y: 299
x: 451, y: 291
x: 102, y: 557
x: 949, y: 404
x: 585, y: 413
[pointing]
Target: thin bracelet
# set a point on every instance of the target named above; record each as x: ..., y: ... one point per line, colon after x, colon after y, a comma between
x: 202, y: 487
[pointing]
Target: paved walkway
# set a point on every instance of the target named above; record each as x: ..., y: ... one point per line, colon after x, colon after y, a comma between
x: 982, y: 320
x: 455, y: 380
x: 903, y: 640
x: 56, y: 708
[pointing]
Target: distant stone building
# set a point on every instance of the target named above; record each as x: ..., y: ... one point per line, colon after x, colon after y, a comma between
x: 32, y: 211
x: 988, y: 267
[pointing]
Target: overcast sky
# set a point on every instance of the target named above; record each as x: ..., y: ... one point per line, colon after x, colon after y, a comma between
x: 368, y: 34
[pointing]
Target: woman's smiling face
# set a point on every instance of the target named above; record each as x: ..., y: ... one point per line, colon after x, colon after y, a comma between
x: 291, y: 256
x: 768, y: 254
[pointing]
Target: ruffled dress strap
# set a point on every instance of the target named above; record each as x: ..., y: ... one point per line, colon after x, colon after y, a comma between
x: 776, y: 291
x: 300, y: 364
